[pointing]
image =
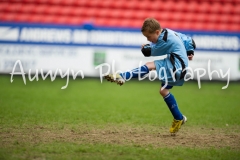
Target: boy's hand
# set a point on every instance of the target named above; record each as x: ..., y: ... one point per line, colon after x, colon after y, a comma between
x: 146, y: 50
x: 143, y: 45
x: 190, y: 57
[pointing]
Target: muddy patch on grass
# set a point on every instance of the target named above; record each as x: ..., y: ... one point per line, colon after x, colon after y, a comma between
x: 124, y: 135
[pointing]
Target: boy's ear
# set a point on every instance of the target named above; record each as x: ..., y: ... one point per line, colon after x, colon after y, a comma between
x: 157, y: 32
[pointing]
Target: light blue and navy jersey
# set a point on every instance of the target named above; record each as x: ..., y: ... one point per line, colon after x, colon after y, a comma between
x: 172, y: 44
x: 169, y: 42
x: 188, y: 43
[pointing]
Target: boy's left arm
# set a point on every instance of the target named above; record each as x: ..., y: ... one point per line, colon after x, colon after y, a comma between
x: 190, y: 57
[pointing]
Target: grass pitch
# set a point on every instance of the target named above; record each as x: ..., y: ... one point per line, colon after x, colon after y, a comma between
x: 90, y: 120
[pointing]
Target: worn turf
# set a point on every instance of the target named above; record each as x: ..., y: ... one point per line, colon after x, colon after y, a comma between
x: 93, y: 120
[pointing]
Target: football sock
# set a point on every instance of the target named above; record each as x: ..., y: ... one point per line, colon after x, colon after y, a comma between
x: 135, y: 72
x: 173, y: 107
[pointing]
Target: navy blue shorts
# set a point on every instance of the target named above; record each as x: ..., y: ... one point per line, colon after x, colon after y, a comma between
x: 168, y: 87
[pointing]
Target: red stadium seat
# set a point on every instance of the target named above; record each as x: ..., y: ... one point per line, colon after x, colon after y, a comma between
x: 203, y: 7
x: 22, y: 17
x: 57, y: 19
x: 112, y: 22
x: 236, y: 9
x: 200, y: 17
x: 191, y: 7
x: 143, y: 5
x: 233, y: 27
x: 156, y: 6
x: 53, y: 10
x: 4, y: 6
x: 100, y: 21
x: 77, y: 11
x: 28, y: 8
x: 103, y: 13
x: 227, y: 9
x: 198, y: 26
x: 136, y: 23
x: 167, y: 5
x: 88, y: 4
x: 234, y: 19
x: 186, y: 25
x: 221, y: 27
x: 178, y: 16
x: 131, y: 4
x: 41, y: 1
x: 90, y: 12
x: 212, y: 18
x: 224, y: 18
x: 115, y: 13
x: 122, y: 23
x: 188, y: 17
x: 215, y: 8
x: 210, y: 26
x: 180, y: 6
x: 173, y: 25
x: 92, y: 4
x: 14, y: 7
x: 153, y: 14
x: 66, y: 10
x: 117, y: 4
x: 35, y: 18
x: 105, y: 4
x: 10, y: 17
x: 164, y: 16
x: 41, y: 9
x: 207, y: 14
x: 68, y: 2
x: 139, y: 14
x: 128, y: 14
x: 49, y: 19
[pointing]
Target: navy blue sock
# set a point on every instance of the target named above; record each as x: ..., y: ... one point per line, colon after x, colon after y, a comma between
x: 173, y: 107
x: 135, y: 72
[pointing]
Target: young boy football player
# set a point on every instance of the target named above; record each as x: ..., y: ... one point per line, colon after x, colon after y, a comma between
x: 179, y: 48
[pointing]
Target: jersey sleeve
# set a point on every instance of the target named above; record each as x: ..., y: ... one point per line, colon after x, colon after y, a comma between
x: 160, y: 48
x: 187, y: 41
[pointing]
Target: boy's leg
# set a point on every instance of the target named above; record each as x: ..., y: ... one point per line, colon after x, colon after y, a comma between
x: 171, y: 103
x: 140, y: 71
x: 179, y: 119
x: 135, y: 73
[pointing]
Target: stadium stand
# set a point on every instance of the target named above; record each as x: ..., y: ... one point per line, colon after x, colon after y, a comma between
x: 217, y: 15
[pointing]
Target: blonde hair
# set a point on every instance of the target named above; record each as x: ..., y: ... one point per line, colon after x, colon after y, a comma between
x: 150, y: 25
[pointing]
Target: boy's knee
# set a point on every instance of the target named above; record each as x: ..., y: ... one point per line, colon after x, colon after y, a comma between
x: 150, y: 65
x: 164, y: 92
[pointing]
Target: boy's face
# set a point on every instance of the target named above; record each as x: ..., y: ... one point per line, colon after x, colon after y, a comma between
x: 152, y: 37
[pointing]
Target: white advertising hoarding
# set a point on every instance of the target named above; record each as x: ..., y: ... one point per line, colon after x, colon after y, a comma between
x: 85, y: 59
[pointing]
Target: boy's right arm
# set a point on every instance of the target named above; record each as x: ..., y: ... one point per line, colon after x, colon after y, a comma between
x: 146, y: 50
x: 158, y: 49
